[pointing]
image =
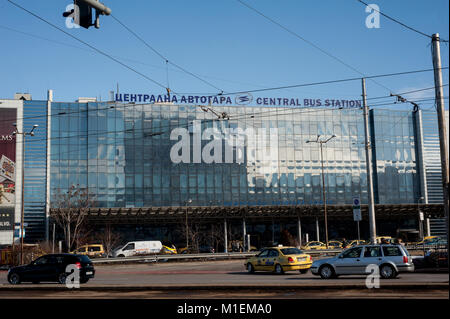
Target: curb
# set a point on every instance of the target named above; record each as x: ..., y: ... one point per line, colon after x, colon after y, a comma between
x: 415, y: 286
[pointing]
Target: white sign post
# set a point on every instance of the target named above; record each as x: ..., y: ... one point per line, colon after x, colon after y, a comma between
x: 357, y: 213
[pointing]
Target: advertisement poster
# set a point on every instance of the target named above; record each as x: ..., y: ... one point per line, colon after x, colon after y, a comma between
x: 7, y: 167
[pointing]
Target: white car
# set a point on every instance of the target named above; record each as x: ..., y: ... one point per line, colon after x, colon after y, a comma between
x: 391, y: 260
x: 134, y: 248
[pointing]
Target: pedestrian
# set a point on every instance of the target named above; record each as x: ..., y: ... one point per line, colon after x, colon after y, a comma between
x: 344, y: 243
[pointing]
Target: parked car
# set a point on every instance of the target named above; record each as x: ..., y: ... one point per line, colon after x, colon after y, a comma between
x: 384, y: 240
x: 134, y: 248
x: 355, y: 242
x: 52, y: 268
x: 431, y: 241
x: 391, y: 260
x: 279, y: 259
x: 334, y: 244
x: 91, y: 250
x: 436, y: 259
x: 314, y: 245
x: 166, y: 250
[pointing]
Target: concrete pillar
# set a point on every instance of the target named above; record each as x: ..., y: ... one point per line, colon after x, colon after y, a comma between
x: 273, y: 232
x: 427, y: 225
x: 225, y: 227
x: 244, y: 232
x: 317, y: 229
x: 299, y: 231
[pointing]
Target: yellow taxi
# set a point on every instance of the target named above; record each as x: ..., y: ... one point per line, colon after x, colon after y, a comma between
x: 166, y: 250
x: 314, y: 245
x: 334, y: 244
x: 355, y: 243
x: 91, y: 250
x: 384, y: 239
x: 428, y: 240
x: 279, y: 259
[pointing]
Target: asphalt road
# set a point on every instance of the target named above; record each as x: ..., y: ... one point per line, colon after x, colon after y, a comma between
x: 226, y: 272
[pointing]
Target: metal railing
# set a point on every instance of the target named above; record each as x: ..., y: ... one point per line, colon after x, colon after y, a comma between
x: 233, y: 255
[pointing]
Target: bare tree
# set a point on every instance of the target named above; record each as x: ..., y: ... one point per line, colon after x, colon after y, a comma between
x: 217, y: 236
x: 109, y: 239
x: 69, y: 212
x: 194, y: 234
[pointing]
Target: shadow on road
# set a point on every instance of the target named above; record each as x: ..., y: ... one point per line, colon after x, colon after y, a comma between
x: 261, y: 274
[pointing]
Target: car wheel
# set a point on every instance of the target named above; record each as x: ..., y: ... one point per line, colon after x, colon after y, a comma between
x: 387, y: 272
x: 250, y: 268
x: 326, y: 272
x: 14, y: 279
x: 84, y: 280
x: 120, y: 256
x: 278, y: 269
x: 62, y: 278
x: 303, y: 271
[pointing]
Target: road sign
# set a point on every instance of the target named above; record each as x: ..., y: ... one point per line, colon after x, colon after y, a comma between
x: 17, y: 233
x: 357, y: 209
x: 421, y: 216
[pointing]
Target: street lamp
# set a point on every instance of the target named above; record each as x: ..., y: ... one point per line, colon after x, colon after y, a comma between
x: 24, y: 134
x: 186, y: 225
x: 421, y: 230
x: 321, y: 142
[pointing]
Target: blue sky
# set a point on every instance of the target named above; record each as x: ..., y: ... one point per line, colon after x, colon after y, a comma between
x: 223, y: 42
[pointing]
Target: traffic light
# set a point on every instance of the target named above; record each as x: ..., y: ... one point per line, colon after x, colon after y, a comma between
x: 82, y: 12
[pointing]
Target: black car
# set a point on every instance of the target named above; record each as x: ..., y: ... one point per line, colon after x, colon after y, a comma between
x: 52, y: 268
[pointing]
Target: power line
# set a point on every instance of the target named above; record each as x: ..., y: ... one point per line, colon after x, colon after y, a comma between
x: 240, y: 92
x: 125, y: 59
x: 133, y: 130
x: 89, y: 45
x: 408, y: 92
x: 401, y: 23
x: 162, y: 56
x: 161, y: 131
x: 309, y: 42
x: 332, y: 81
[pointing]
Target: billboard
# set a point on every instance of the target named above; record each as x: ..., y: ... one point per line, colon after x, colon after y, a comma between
x: 7, y: 167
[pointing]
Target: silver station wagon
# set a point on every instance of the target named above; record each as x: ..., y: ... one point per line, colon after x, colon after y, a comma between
x: 391, y: 260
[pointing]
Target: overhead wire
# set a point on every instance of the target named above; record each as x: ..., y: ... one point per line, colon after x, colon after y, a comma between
x: 112, y: 106
x: 295, y: 34
x: 162, y: 56
x: 397, y: 21
x: 89, y: 45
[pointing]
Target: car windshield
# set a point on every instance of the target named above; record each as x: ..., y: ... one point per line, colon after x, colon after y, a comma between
x: 291, y: 251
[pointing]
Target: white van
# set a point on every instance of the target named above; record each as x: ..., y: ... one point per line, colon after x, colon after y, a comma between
x: 134, y: 248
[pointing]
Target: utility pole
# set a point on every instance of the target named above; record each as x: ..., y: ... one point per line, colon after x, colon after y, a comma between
x: 321, y: 142
x: 436, y: 51
x: 24, y: 134
x: 372, y: 222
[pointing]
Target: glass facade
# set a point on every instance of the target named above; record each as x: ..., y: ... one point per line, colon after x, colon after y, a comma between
x: 122, y: 153
x: 35, y: 166
x: 394, y: 147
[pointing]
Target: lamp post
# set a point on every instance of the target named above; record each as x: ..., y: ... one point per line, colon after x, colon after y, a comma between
x: 186, y: 225
x: 421, y: 232
x: 321, y: 142
x: 24, y: 134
